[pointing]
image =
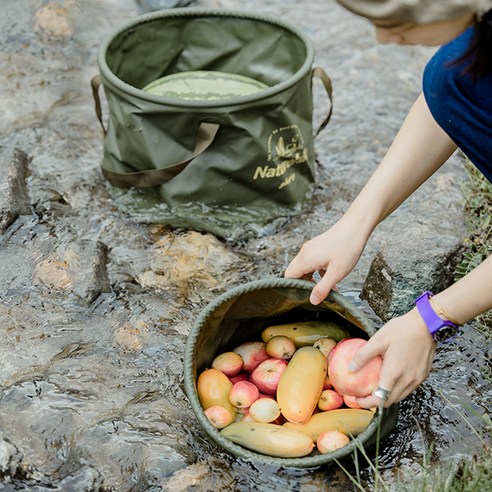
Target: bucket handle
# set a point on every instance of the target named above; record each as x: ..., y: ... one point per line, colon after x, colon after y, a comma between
x: 150, y: 178
x: 95, y: 84
x: 319, y: 73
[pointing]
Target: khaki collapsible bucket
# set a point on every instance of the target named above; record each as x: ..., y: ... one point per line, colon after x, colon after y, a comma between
x: 240, y: 315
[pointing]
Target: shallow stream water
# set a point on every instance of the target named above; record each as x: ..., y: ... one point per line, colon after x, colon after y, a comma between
x: 95, y: 308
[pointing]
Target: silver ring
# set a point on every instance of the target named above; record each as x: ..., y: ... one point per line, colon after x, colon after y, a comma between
x: 381, y: 393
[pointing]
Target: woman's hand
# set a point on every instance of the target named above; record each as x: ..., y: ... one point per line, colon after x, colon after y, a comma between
x: 407, y: 349
x: 333, y: 254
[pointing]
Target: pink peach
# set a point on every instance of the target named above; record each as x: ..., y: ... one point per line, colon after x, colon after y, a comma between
x: 252, y: 353
x: 280, y: 347
x: 229, y: 363
x: 331, y: 440
x: 360, y: 383
x: 219, y: 416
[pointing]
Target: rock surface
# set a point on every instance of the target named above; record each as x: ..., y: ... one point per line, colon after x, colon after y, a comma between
x: 408, y: 265
x: 95, y: 308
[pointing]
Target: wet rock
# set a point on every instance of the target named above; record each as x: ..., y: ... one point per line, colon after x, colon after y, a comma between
x: 10, y: 459
x: 411, y: 264
x: 54, y: 21
x: 151, y: 5
x: 85, y: 480
x: 79, y: 268
x: 191, y: 476
x: 188, y: 261
x: 129, y: 337
x: 14, y: 198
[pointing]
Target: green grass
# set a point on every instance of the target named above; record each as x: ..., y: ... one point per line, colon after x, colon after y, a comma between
x: 477, y: 191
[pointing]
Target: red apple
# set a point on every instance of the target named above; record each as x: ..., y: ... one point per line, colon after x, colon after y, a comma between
x: 280, y: 347
x: 243, y: 394
x: 267, y: 375
x: 331, y: 440
x: 219, y: 416
x: 329, y: 400
x: 229, y: 363
x: 252, y: 353
x: 360, y: 383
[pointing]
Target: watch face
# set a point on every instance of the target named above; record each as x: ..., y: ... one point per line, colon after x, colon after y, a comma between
x: 446, y: 333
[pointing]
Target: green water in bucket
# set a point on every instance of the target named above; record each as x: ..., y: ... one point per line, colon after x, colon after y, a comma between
x: 203, y: 85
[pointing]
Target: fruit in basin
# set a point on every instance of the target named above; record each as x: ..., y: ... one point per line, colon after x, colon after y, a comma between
x: 243, y: 394
x: 219, y: 416
x: 325, y: 345
x: 329, y: 400
x: 213, y: 388
x: 331, y: 440
x: 267, y: 375
x: 301, y: 384
x: 229, y: 363
x: 305, y: 333
x: 252, y: 353
x: 280, y: 347
x: 360, y: 383
x: 270, y: 439
x: 264, y: 410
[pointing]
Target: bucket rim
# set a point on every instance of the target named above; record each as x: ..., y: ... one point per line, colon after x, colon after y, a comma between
x: 377, y: 427
x: 125, y: 88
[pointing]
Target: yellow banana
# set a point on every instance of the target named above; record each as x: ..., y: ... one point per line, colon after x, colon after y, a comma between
x: 350, y: 421
x: 305, y: 333
x: 269, y: 439
x: 301, y: 384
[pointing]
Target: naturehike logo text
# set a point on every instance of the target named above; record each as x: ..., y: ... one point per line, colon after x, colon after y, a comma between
x: 285, y: 149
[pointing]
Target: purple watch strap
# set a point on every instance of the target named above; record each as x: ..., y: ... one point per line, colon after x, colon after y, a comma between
x: 432, y: 320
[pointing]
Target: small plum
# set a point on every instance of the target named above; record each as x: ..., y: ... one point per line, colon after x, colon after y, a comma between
x: 267, y: 375
x: 280, y: 347
x: 360, y: 383
x: 331, y: 440
x: 264, y: 410
x: 219, y: 416
x: 229, y: 363
x: 243, y: 394
x: 325, y: 345
x: 252, y: 353
x: 329, y: 400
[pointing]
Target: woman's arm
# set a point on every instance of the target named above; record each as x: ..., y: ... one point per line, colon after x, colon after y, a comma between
x: 405, y: 342
x: 418, y: 150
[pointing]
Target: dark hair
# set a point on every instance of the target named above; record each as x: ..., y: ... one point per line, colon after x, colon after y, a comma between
x: 479, y: 53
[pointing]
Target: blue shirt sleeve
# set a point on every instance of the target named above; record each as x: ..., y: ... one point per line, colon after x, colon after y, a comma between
x: 460, y: 103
